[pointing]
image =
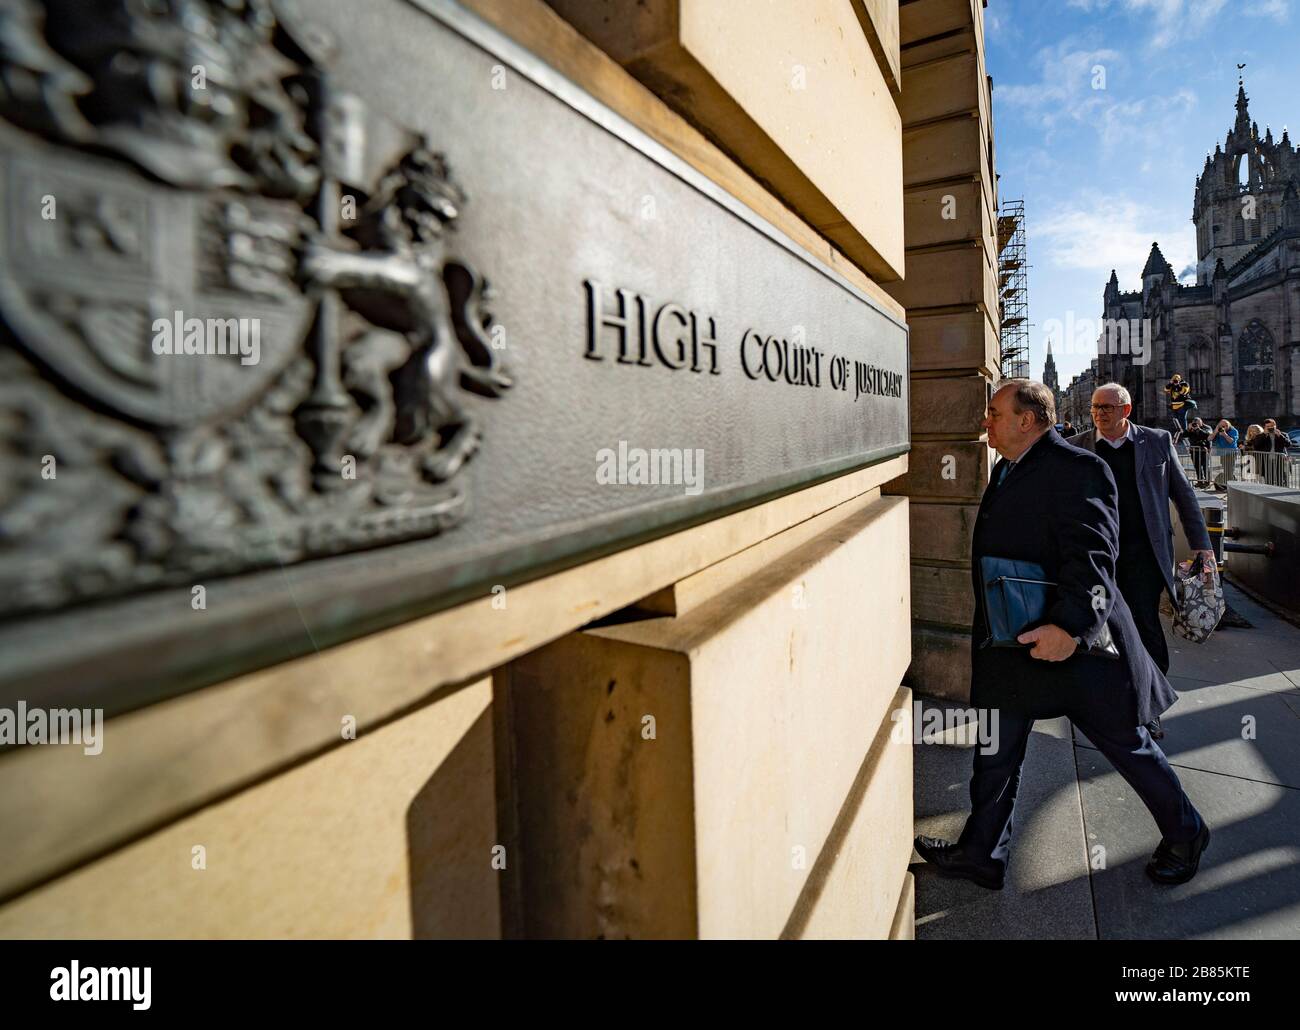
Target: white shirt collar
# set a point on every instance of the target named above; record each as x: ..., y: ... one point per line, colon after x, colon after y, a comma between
x: 1011, y: 463
x: 1129, y: 434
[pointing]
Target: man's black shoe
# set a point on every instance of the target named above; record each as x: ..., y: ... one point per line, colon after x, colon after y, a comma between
x: 1177, y: 863
x: 950, y: 861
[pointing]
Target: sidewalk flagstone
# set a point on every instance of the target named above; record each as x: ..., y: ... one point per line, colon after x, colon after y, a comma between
x: 1083, y: 838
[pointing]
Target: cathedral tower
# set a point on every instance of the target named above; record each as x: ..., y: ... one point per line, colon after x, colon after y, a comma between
x: 1240, y: 195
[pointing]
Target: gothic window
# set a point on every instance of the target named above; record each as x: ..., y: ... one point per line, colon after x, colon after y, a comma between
x: 1238, y: 229
x: 1254, y: 359
x: 1198, y: 368
x: 1254, y: 226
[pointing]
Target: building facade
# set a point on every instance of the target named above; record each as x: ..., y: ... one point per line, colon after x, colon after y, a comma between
x: 380, y: 649
x: 1077, y: 398
x: 1234, y: 334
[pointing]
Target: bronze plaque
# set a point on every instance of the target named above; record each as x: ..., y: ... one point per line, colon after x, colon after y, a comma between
x: 320, y: 316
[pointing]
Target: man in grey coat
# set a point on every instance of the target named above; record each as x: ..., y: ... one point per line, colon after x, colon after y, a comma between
x: 1148, y: 475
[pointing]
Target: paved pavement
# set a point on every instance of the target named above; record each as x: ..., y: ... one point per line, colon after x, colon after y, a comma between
x: 1082, y: 836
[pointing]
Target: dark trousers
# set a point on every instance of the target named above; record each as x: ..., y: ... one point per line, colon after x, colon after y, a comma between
x: 1201, y: 461
x: 1140, y: 582
x: 1182, y: 416
x: 1130, y: 749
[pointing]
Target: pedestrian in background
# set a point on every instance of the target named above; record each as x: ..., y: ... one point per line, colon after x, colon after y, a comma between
x: 1148, y: 476
x: 1180, y: 403
x: 1249, y: 470
x: 1198, y: 440
x: 1270, y: 447
x: 1225, y: 446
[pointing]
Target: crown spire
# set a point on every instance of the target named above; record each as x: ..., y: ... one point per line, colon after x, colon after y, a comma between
x: 1241, y: 134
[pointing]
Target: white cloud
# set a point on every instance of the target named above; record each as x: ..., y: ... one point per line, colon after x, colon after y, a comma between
x: 1172, y: 20
x: 1094, y: 233
x: 1065, y: 86
x: 1074, y: 87
x: 1278, y: 10
x: 1176, y: 19
x: 1129, y: 123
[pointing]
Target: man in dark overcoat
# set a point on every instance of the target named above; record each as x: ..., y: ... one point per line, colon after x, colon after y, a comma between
x: 1056, y: 505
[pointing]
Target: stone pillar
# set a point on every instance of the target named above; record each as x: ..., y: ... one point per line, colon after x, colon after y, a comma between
x: 387, y: 835
x: 803, y: 100
x: 951, y: 296
x: 741, y: 768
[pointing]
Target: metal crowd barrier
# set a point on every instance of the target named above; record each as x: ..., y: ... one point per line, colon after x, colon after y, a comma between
x: 1209, y: 468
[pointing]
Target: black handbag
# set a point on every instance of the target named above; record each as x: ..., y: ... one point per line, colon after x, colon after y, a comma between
x: 1017, y: 596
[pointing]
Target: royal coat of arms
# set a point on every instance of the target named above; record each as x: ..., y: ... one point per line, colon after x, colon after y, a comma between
x: 235, y: 331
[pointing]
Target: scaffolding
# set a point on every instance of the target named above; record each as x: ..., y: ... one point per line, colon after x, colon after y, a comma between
x: 1013, y: 290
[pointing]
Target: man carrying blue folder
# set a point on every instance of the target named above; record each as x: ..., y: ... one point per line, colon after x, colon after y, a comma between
x: 1053, y: 509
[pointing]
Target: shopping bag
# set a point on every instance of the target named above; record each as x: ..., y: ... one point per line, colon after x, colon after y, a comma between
x: 1198, y: 605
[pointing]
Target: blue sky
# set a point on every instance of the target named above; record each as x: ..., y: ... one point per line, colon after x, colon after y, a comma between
x: 1105, y: 171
